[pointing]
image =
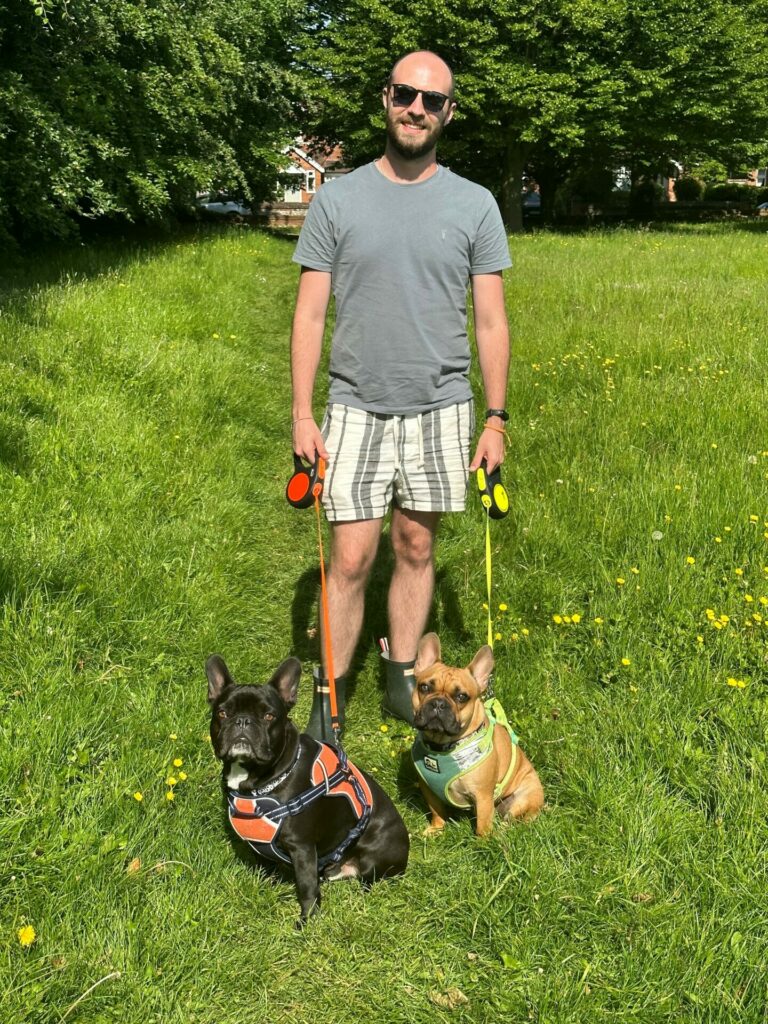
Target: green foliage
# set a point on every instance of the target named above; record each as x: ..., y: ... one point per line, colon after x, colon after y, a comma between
x: 732, y: 192
x: 119, y: 108
x: 689, y: 188
x: 561, y: 83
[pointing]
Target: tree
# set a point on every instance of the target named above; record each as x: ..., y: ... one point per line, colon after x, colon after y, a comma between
x: 556, y: 82
x: 122, y: 108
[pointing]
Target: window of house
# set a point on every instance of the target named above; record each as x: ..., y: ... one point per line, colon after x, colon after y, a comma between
x: 310, y: 178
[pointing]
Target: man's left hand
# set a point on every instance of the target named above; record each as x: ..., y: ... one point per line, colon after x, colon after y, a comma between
x: 491, y: 448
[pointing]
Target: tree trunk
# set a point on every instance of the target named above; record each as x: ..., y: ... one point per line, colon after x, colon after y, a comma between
x: 510, y: 202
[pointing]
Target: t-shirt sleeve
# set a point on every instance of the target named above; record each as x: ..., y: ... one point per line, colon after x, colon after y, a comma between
x: 316, y: 244
x: 490, y: 249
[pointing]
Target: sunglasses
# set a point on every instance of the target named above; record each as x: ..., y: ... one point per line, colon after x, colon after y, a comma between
x: 405, y: 95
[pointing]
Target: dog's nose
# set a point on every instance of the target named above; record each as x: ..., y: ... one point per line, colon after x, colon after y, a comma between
x: 439, y: 704
x: 242, y: 721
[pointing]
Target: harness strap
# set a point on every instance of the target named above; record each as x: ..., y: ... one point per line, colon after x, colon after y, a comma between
x: 258, y: 819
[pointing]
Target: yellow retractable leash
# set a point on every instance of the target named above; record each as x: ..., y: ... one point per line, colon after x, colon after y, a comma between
x: 495, y: 501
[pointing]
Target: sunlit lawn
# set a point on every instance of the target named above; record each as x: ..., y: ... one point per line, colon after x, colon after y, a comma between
x: 144, y: 449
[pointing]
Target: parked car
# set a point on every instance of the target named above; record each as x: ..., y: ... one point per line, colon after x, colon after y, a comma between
x: 762, y: 209
x: 223, y: 207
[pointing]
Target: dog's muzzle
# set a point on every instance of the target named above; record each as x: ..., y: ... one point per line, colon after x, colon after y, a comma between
x: 437, y: 715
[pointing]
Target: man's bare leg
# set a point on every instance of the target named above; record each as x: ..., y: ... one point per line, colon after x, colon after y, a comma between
x: 413, y: 580
x: 353, y: 550
x: 410, y: 598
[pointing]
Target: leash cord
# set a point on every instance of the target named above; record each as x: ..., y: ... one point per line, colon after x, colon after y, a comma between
x: 488, y: 573
x: 327, y: 629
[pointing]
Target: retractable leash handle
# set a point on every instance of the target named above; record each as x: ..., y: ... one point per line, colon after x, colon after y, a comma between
x: 492, y: 492
x: 306, y: 484
x: 495, y: 501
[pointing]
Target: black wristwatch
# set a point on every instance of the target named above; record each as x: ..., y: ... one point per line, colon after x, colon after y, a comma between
x: 501, y: 413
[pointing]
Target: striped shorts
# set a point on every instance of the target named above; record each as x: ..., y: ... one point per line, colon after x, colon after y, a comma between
x: 419, y: 462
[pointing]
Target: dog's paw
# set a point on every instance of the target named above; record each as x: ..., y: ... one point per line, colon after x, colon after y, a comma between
x: 432, y: 830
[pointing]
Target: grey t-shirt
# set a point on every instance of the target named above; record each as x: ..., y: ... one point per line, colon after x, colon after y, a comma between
x: 401, y: 257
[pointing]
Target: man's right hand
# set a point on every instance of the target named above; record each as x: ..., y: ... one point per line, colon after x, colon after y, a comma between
x: 308, y: 441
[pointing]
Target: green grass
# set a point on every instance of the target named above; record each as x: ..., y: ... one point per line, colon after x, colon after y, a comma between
x: 144, y: 449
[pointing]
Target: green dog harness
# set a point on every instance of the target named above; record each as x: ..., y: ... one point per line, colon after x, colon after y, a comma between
x: 440, y: 768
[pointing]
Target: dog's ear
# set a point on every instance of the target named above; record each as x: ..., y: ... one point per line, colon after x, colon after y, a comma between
x: 218, y: 677
x: 428, y: 652
x: 481, y: 667
x: 286, y: 680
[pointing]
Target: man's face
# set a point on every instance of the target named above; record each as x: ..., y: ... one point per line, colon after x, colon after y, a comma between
x: 411, y: 129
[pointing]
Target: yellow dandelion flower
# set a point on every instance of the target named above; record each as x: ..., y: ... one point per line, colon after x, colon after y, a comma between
x: 502, y: 607
x: 171, y: 780
x: 748, y: 598
x: 215, y: 336
x: 710, y: 614
x: 598, y: 621
x: 138, y: 797
x: 739, y: 572
x: 738, y: 683
x: 635, y: 570
x: 725, y: 619
x: 691, y: 560
x: 558, y: 619
x: 26, y: 935
x: 699, y: 639
x: 727, y: 529
x: 764, y: 601
x: 713, y: 445
x: 383, y: 728
x: 178, y: 762
x: 717, y: 625
x: 718, y: 540
x: 514, y: 637
x: 567, y: 620
x: 678, y: 487
x: 576, y: 618
x: 497, y: 636
x: 525, y: 631
x: 170, y: 795
x: 754, y: 519
x: 626, y: 662
x: 183, y: 776
x: 173, y: 736
x: 632, y: 689
x: 620, y: 580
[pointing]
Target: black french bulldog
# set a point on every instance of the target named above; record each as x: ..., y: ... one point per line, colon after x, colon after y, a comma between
x: 298, y: 804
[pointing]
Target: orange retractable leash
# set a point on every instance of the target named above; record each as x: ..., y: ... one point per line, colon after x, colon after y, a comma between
x: 305, y: 488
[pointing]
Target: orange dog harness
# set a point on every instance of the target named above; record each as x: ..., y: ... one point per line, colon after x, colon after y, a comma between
x: 258, y: 818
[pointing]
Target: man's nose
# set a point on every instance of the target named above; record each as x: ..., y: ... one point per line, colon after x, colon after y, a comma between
x: 417, y: 107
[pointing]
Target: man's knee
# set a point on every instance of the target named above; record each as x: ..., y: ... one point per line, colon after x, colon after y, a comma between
x: 413, y: 542
x: 352, y: 556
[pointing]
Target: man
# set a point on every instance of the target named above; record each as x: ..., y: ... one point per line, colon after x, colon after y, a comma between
x: 398, y: 241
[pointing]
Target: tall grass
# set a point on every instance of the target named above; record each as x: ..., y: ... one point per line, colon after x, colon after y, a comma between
x: 144, y: 449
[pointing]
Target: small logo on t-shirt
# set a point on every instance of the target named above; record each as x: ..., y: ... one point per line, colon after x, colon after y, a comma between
x: 431, y: 764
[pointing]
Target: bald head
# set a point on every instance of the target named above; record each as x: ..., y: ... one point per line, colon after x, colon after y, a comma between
x: 421, y: 66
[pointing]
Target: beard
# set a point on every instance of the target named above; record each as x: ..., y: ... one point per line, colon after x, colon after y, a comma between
x: 413, y: 147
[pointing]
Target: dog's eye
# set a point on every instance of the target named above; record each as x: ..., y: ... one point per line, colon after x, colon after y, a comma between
x: 222, y: 713
x: 461, y: 698
x: 423, y: 687
x: 269, y: 717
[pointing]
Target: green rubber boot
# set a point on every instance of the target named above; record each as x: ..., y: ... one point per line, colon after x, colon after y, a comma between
x: 400, y: 685
x: 319, y: 724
